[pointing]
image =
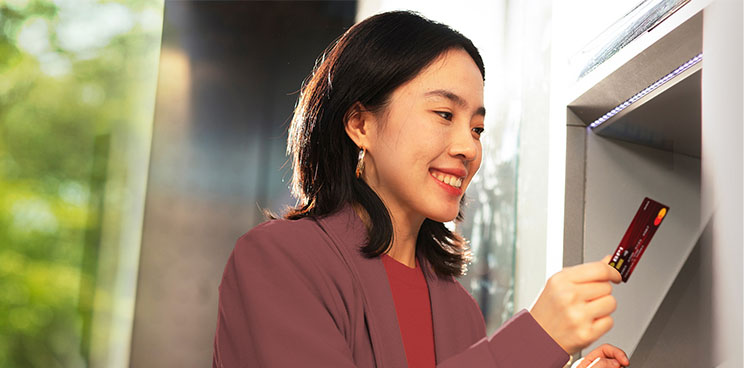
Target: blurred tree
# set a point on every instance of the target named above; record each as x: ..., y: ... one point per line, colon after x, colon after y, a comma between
x: 69, y: 76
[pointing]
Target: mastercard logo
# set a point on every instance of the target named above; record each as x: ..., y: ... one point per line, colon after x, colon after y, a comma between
x: 660, y: 216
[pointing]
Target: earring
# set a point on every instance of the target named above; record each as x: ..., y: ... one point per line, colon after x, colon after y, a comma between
x: 360, y: 162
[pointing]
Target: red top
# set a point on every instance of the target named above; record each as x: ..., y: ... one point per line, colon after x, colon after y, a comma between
x: 411, y: 297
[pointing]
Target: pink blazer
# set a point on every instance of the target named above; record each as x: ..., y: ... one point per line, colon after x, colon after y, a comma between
x: 301, y: 294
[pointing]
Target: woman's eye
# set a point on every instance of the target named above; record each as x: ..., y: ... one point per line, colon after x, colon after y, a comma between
x: 444, y: 114
x: 478, y: 131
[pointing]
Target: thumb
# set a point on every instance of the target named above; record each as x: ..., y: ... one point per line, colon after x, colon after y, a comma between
x: 606, y: 260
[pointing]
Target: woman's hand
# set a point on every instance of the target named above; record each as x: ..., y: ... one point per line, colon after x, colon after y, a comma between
x: 609, y: 357
x: 574, y: 307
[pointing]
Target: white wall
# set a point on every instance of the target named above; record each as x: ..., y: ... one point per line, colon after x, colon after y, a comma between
x: 722, y: 172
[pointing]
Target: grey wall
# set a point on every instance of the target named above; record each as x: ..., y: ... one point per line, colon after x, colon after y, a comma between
x: 229, y: 75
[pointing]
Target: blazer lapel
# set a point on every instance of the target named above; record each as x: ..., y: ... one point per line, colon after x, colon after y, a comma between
x: 456, y: 320
x: 348, y: 233
x: 440, y: 315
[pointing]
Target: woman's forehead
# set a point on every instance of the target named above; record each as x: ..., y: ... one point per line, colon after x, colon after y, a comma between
x: 454, y: 76
x: 451, y: 86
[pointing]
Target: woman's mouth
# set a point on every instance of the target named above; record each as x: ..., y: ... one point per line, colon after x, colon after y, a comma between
x: 448, y: 179
x: 449, y: 182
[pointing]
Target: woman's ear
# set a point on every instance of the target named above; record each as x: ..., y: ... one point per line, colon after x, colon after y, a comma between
x: 359, y: 125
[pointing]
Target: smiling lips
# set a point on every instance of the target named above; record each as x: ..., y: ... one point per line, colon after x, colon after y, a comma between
x: 448, y: 178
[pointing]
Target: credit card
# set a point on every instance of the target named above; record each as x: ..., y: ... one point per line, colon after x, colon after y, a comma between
x: 636, y: 238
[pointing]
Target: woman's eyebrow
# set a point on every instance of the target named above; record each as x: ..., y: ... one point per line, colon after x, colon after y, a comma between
x: 454, y: 98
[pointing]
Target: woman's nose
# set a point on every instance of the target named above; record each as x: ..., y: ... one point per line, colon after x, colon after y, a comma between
x: 464, y: 144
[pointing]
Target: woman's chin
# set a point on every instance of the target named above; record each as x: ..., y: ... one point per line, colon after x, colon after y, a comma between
x: 445, y: 216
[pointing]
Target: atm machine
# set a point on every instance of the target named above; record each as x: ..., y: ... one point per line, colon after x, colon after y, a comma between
x: 634, y: 131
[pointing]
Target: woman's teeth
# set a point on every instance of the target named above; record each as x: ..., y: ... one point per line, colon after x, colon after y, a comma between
x: 449, y: 179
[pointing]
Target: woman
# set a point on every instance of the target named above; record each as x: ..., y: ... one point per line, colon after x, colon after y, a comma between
x: 384, y: 141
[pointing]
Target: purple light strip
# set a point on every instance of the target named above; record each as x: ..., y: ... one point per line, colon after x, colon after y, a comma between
x: 647, y: 90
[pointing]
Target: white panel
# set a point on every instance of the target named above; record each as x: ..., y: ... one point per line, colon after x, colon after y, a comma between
x: 722, y: 100
x: 618, y: 176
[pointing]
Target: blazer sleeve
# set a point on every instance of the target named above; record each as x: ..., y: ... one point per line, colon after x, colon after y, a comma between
x: 272, y: 311
x: 520, y: 343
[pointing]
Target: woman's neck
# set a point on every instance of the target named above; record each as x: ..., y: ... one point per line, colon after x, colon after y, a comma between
x: 403, y: 248
x: 406, y: 227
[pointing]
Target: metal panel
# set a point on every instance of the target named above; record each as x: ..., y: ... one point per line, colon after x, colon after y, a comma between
x: 641, y: 71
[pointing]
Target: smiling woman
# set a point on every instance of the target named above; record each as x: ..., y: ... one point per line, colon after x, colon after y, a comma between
x: 384, y: 142
x: 369, y: 81
x: 423, y: 178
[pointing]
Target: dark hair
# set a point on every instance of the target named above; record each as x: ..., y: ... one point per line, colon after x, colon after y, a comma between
x: 364, y: 66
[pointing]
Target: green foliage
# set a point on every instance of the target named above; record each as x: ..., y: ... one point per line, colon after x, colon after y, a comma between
x: 69, y: 72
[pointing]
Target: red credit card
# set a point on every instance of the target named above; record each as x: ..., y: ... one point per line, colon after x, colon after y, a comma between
x: 636, y: 238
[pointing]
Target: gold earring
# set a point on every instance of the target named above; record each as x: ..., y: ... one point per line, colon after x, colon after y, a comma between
x: 360, y: 162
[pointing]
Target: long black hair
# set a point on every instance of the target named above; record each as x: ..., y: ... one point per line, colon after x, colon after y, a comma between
x: 365, y: 65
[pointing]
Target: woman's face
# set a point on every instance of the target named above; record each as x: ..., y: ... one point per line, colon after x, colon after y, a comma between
x: 425, y: 149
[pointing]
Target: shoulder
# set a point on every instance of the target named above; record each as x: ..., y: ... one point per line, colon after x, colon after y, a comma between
x: 282, y: 232
x: 282, y: 236
x: 280, y: 245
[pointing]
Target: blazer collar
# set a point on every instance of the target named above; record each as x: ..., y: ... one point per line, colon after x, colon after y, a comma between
x: 349, y: 234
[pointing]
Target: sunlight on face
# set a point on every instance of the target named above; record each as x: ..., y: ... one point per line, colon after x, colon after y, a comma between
x: 426, y: 149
